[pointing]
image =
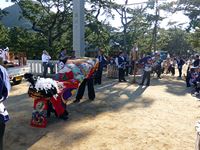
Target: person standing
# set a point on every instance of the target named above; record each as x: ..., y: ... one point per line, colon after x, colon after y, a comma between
x: 157, y: 65
x: 63, y: 54
x: 4, y: 91
x: 45, y: 62
x: 133, y: 58
x: 180, y: 63
x: 147, y: 72
x: 196, y: 62
x: 4, y: 54
x: 102, y: 63
x: 126, y: 56
x: 121, y: 64
x: 81, y: 90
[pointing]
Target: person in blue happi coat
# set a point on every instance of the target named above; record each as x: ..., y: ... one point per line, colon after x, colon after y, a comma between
x: 121, y: 64
x: 4, y: 90
x: 102, y: 63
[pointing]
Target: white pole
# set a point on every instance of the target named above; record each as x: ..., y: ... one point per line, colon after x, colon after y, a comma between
x: 78, y: 28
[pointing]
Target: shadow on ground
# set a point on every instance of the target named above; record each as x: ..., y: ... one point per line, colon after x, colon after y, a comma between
x: 174, y: 85
x: 20, y: 135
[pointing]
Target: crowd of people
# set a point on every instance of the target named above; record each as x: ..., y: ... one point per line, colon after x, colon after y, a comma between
x: 126, y: 64
x: 193, y: 75
x: 129, y: 64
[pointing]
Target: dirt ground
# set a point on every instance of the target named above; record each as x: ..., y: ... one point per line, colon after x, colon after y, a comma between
x: 123, y: 117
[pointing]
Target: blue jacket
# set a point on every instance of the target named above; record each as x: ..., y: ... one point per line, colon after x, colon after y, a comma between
x: 102, y: 61
x: 144, y: 60
x: 180, y: 63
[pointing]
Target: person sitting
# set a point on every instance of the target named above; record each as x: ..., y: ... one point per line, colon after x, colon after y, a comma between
x: 190, y: 72
x: 195, y: 80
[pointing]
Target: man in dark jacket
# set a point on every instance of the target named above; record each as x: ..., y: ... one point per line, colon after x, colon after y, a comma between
x: 121, y: 64
x: 102, y: 63
x: 180, y: 63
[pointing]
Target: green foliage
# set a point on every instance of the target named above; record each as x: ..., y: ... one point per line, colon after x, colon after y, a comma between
x: 191, y: 9
x: 52, y: 25
x: 52, y: 30
x: 176, y: 42
x: 4, y: 38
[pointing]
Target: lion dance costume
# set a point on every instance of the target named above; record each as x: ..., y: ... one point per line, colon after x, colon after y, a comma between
x: 52, y: 95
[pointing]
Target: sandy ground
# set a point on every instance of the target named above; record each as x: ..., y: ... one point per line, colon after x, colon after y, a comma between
x: 123, y: 117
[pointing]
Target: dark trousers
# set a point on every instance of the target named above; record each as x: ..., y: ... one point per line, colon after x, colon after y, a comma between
x: 180, y: 71
x: 173, y: 71
x: 132, y: 67
x: 2, y: 130
x: 46, y: 65
x: 158, y: 70
x: 146, y: 76
x: 188, y: 77
x: 127, y: 70
x: 98, y: 76
x: 121, y: 74
x: 81, y: 89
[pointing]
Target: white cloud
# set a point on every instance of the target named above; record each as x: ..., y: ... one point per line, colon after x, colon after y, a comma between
x: 4, y: 4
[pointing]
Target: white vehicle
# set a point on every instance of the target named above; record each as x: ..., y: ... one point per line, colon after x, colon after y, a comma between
x: 16, y: 73
x: 16, y: 65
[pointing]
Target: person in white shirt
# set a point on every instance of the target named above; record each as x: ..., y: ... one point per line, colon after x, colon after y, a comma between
x: 45, y: 62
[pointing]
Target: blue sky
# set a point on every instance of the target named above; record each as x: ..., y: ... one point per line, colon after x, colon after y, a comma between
x: 178, y: 17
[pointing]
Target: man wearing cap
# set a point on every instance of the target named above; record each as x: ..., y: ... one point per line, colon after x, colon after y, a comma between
x: 45, y: 62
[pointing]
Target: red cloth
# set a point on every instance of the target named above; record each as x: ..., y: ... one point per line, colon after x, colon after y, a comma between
x: 39, y: 118
x: 71, y: 84
x: 92, y: 71
x: 57, y: 104
x: 64, y: 76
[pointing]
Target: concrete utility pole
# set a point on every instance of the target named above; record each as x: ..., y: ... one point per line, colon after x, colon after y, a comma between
x: 78, y: 28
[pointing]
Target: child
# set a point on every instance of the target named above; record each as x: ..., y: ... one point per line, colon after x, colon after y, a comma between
x: 147, y: 72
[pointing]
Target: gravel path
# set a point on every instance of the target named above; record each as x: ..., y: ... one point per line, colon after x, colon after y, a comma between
x: 123, y: 117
